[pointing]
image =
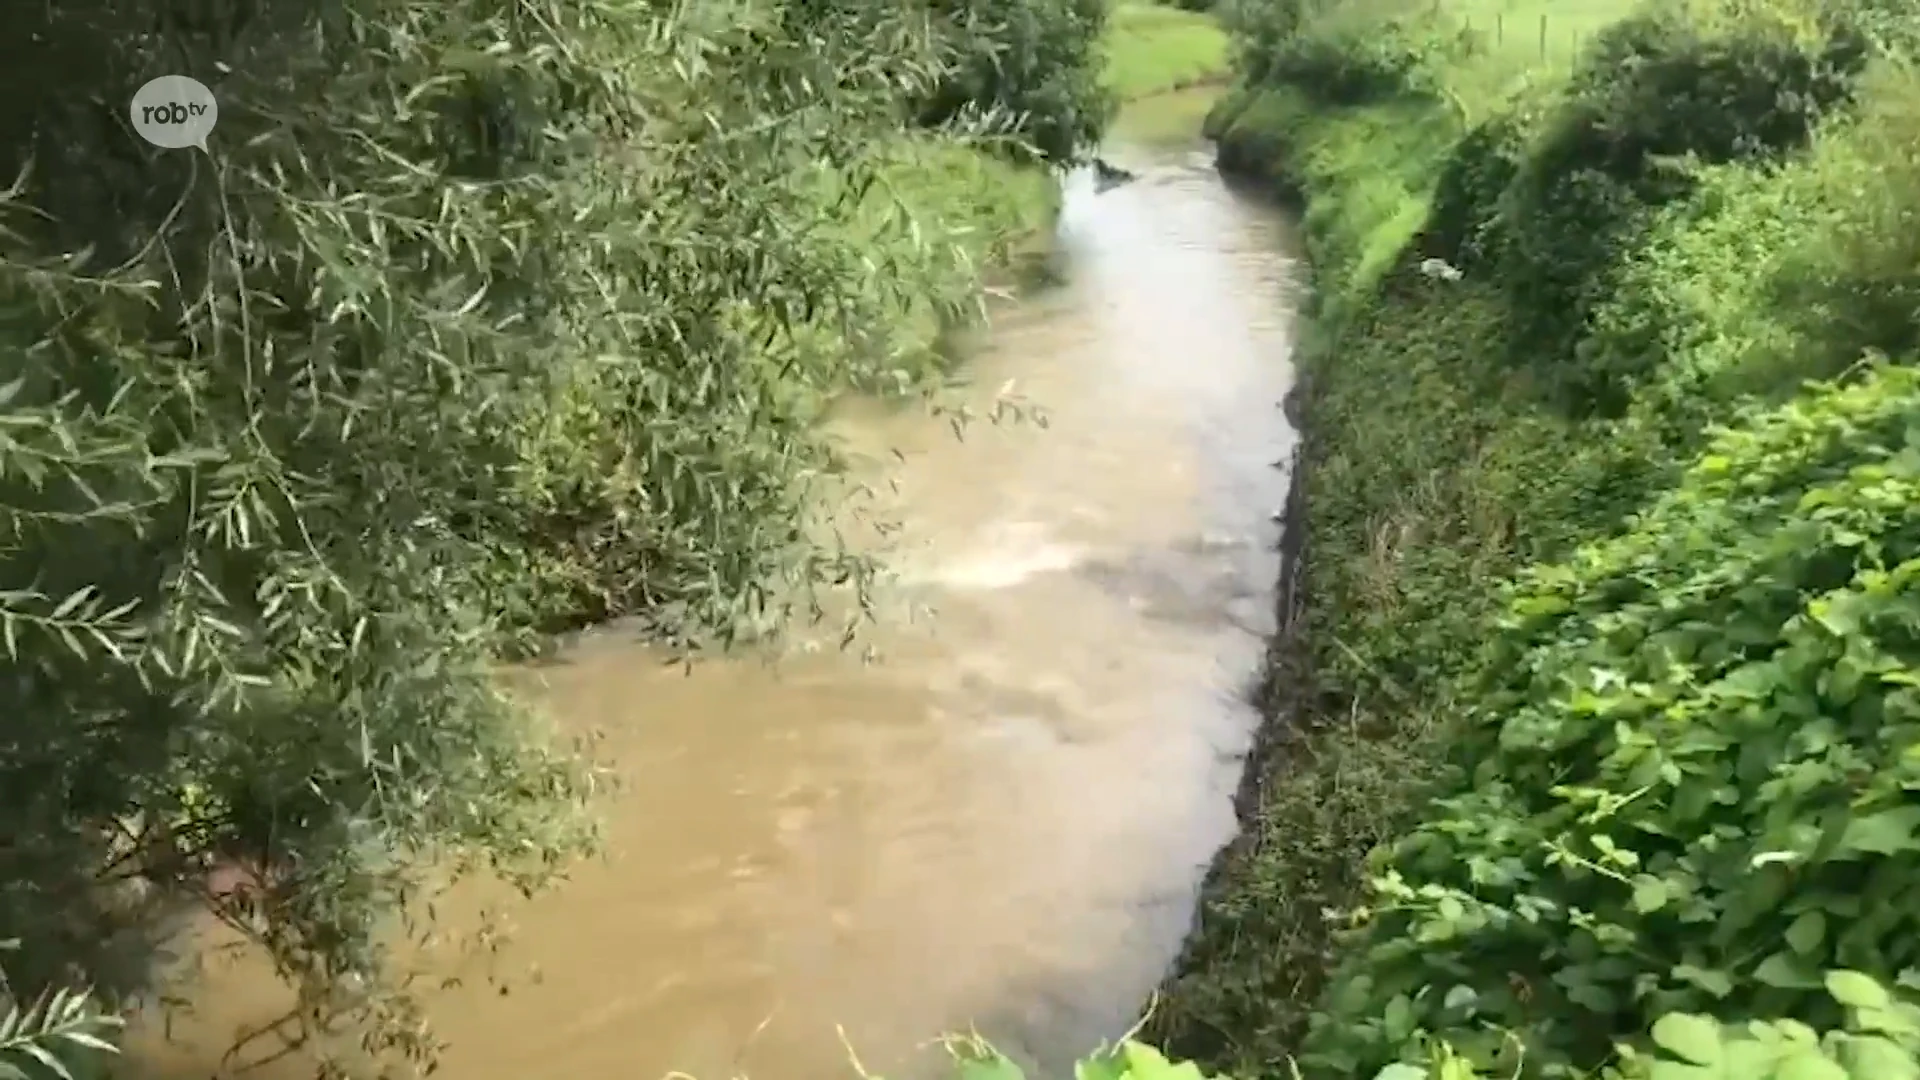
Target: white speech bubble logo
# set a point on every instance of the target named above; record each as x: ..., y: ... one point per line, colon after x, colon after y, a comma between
x: 174, y: 111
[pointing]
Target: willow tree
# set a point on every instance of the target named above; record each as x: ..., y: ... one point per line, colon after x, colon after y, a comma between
x: 479, y: 317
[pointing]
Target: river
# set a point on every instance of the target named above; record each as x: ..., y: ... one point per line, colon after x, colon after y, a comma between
x: 1003, y: 822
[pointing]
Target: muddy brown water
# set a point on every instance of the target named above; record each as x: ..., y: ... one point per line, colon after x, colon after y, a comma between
x: 1002, y: 823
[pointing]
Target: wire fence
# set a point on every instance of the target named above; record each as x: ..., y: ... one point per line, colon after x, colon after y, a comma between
x: 1533, y: 29
x: 1541, y: 34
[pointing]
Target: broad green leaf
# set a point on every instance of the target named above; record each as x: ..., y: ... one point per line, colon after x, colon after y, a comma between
x: 1400, y: 1070
x: 1858, y: 991
x: 1747, y: 1057
x: 1105, y: 1066
x: 1716, y: 983
x: 1146, y: 1063
x: 1885, y: 833
x: 1399, y: 1018
x: 1837, y: 618
x: 1692, y: 1038
x: 1809, y: 1063
x: 1593, y: 997
x: 1870, y: 1057
x: 1794, y: 1031
x: 1897, y: 1021
x: 1807, y: 932
x: 1784, y: 971
x: 1649, y: 894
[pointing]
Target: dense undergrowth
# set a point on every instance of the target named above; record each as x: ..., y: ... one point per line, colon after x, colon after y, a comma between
x: 1601, y: 732
x: 481, y: 319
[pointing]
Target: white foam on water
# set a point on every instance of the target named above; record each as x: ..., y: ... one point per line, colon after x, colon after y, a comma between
x: 1005, y: 569
x: 1011, y: 554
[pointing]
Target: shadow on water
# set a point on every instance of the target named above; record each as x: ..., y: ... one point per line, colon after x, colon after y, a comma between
x: 1003, y: 823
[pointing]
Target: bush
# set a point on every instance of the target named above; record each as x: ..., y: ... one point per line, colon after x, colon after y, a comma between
x: 1683, y: 786
x: 1675, y: 85
x: 1461, y: 227
x: 1260, y: 28
x: 1775, y: 275
x: 1341, y: 63
x: 1034, y: 66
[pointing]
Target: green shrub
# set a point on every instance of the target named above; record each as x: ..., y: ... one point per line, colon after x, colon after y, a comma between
x: 1033, y: 67
x: 1683, y: 786
x: 1342, y: 63
x: 1885, y: 27
x: 1880, y: 1037
x: 1260, y: 28
x: 1680, y: 83
x: 1468, y: 193
x: 1773, y: 275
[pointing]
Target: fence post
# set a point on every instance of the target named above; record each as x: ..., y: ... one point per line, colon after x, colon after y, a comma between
x: 1543, y: 36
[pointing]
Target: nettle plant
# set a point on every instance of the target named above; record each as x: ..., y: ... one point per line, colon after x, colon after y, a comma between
x: 1880, y: 1040
x: 975, y: 1059
x: 1691, y: 786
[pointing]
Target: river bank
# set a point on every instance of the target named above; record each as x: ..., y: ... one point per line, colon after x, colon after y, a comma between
x: 1527, y: 321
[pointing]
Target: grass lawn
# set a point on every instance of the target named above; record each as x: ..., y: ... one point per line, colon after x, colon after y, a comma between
x: 1153, y: 48
x: 1526, y: 41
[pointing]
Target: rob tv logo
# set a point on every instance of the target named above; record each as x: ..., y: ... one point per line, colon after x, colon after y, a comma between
x: 174, y: 111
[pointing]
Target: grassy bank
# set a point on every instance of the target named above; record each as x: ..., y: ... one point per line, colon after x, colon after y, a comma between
x: 1599, y: 722
x: 1153, y: 48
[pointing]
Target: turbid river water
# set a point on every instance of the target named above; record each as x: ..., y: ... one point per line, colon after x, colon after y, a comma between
x: 1004, y: 822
